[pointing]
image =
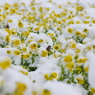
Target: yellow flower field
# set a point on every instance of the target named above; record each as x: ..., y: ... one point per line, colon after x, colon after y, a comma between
x: 47, y: 47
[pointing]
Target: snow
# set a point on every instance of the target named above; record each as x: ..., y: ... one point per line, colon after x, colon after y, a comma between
x: 91, y: 58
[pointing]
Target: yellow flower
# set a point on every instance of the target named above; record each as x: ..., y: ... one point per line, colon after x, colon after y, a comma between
x: 37, y: 29
x: 1, y: 19
x: 69, y: 17
x: 78, y: 50
x: 50, y: 1
x: 88, y: 48
x: 33, y: 46
x: 79, y: 8
x: 34, y: 93
x: 4, y: 16
x: 53, y: 75
x: 77, y: 33
x: 46, y: 92
x: 18, y: 93
x: 93, y: 21
x: 24, y: 3
x: 60, y: 6
x: 70, y: 65
x: 41, y: 41
x: 10, y: 20
x: 86, y: 22
x: 51, y: 34
x: 56, y: 47
x: 0, y: 10
x: 58, y: 15
x: 58, y: 29
x: 53, y: 38
x: 81, y: 14
x: 71, y: 12
x: 7, y: 38
x: 51, y: 78
x: 7, y: 13
x: 24, y: 49
x: 30, y: 17
x: 33, y: 8
x: 41, y: 9
x: 19, y: 13
x: 47, y: 76
x: 93, y: 46
x: 6, y: 7
x: 93, y: 90
x: 26, y: 56
x: 81, y: 60
x: 71, y: 22
x: 85, y: 30
x: 30, y: 52
x: 80, y: 81
x: 70, y: 30
x: 63, y: 50
x: 23, y: 72
x: 83, y: 35
x: 69, y: 2
x: 87, y: 17
x: 79, y: 69
x: 9, y: 52
x: 20, y: 24
x: 5, y: 63
x: 84, y: 60
x: 22, y: 41
x: 21, y: 87
x: 59, y: 22
x: 55, y: 55
x: 78, y: 22
x: 86, y: 69
x: 73, y: 45
x: 26, y: 33
x: 17, y: 42
x: 8, y: 31
x: 13, y: 32
x: 47, y: 9
x: 23, y: 10
x: 30, y: 41
x: 17, y: 52
x: 15, y: 4
x: 12, y: 11
x: 68, y: 58
x: 44, y: 53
